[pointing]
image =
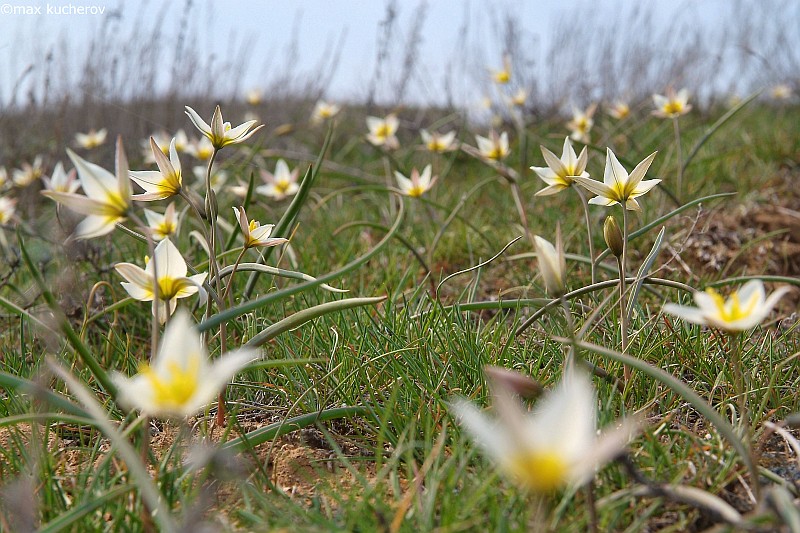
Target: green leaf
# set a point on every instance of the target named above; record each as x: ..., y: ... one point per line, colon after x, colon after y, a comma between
x: 644, y: 270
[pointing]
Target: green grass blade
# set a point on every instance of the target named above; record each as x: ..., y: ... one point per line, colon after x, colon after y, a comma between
x: 14, y: 383
x: 74, y: 339
x: 301, y: 317
x: 716, y: 126
x: 253, y: 267
x: 684, y: 391
x: 252, y: 305
x: 644, y: 269
x: 278, y: 429
x: 283, y: 227
x: 64, y: 521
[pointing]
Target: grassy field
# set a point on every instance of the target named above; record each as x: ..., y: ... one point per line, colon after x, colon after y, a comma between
x: 346, y: 420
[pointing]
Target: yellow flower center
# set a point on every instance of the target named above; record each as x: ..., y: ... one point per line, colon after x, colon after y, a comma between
x: 435, y: 145
x: 540, y: 470
x: 177, y: 387
x: 204, y: 153
x: 253, y: 225
x: 502, y: 76
x: 383, y: 131
x: 496, y: 153
x: 416, y: 191
x: 673, y: 107
x: 115, y: 201
x: 732, y: 309
x: 166, y: 228
x: 282, y: 186
x: 168, y: 288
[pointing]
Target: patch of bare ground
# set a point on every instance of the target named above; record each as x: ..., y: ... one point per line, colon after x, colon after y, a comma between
x: 758, y: 237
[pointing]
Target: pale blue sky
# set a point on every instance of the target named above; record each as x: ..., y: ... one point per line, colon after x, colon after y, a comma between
x: 266, y: 26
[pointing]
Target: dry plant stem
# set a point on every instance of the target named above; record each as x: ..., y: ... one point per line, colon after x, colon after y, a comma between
x: 592, y: 502
x: 679, y: 192
x: 623, y: 268
x: 230, y: 278
x: 146, y: 515
x: 588, y: 219
x: 570, y: 360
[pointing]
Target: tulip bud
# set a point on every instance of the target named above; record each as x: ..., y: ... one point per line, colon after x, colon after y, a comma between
x: 613, y: 236
x: 552, y: 265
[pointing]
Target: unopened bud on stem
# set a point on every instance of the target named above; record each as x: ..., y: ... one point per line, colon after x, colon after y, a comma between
x: 613, y: 236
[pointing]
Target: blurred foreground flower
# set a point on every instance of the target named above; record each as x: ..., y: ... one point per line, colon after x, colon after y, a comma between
x: 107, y: 199
x: 91, y: 139
x: 181, y: 381
x: 281, y: 184
x: 439, y: 143
x: 221, y: 133
x: 618, y: 186
x: 559, y: 173
x: 552, y: 264
x: 323, y: 111
x: 418, y: 184
x: 744, y: 309
x: 553, y: 446
x: 672, y: 105
x: 494, y: 147
x: 619, y: 110
x: 28, y: 173
x: 382, y: 131
x: 61, y: 181
x: 581, y: 123
x: 163, y: 183
x: 162, y: 226
x: 254, y: 233
x: 170, y: 274
x: 7, y: 208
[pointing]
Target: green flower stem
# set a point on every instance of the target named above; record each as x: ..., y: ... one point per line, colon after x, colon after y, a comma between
x: 570, y: 360
x: 623, y: 268
x: 588, y: 220
x: 523, y: 218
x: 740, y: 388
x: 680, y: 157
x: 212, y: 210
